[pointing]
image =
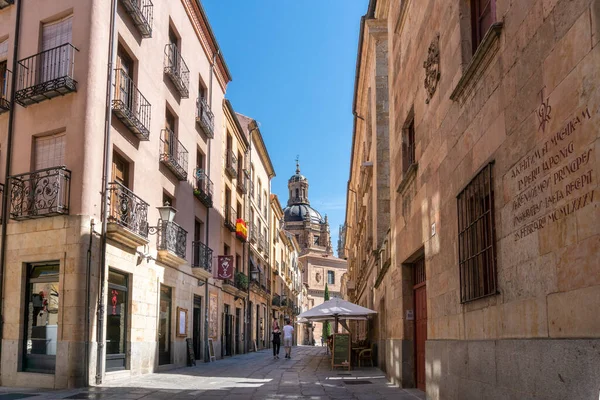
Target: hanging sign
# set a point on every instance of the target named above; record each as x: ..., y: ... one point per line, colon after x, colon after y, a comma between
x: 241, y: 229
x: 225, y: 267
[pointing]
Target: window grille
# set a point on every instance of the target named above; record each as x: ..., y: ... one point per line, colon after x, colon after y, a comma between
x: 476, y: 237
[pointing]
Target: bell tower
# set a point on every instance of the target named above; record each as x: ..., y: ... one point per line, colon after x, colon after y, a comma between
x: 298, y: 187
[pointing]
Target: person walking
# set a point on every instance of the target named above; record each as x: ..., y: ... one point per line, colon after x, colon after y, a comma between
x: 276, y: 340
x: 288, y: 332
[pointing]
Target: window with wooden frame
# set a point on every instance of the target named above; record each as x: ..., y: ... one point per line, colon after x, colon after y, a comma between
x: 408, y: 143
x: 476, y: 237
x: 3, y: 70
x: 483, y: 15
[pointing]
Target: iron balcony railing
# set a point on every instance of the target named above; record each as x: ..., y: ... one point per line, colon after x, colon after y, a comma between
x: 127, y: 209
x: 205, y: 117
x: 284, y: 301
x: 41, y: 193
x: 276, y: 301
x: 6, y: 3
x: 242, y: 183
x: 46, y: 75
x: 172, y: 237
x: 252, y: 232
x: 176, y: 68
x: 251, y: 189
x: 173, y: 155
x: 5, y: 77
x: 268, y: 286
x: 231, y: 163
x: 265, y: 209
x: 230, y: 218
x: 130, y: 106
x: 202, y: 256
x: 204, y: 188
x: 141, y: 11
x: 261, y: 241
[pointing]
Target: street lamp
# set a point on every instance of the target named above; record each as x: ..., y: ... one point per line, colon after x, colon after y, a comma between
x: 166, y: 214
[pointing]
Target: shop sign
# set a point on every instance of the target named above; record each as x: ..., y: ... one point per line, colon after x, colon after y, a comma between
x: 225, y: 267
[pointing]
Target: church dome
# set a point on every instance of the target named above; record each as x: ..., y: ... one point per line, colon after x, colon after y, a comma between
x: 297, y: 213
x: 297, y: 177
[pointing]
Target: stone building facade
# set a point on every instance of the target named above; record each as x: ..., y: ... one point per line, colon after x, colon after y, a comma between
x: 109, y: 258
x: 486, y: 277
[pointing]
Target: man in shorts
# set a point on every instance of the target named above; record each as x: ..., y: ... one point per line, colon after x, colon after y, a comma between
x: 288, y: 332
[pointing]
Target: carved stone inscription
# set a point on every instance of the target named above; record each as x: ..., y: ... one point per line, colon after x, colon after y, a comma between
x: 554, y: 180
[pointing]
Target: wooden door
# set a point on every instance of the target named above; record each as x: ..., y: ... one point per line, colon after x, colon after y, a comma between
x: 420, y: 294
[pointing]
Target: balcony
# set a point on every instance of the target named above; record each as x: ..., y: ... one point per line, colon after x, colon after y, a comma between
x: 141, y: 11
x: 46, y: 75
x: 238, y: 286
x: 205, y: 117
x: 42, y: 193
x: 276, y: 301
x: 251, y: 189
x: 127, y: 218
x: 171, y: 244
x: 204, y: 188
x: 5, y: 77
x: 242, y: 184
x: 231, y: 163
x: 173, y: 155
x: 252, y: 232
x: 130, y: 106
x: 261, y: 241
x: 202, y: 259
x: 230, y: 218
x: 177, y: 70
x: 268, y: 286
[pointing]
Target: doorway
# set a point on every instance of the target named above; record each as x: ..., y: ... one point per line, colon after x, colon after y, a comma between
x: 116, y: 321
x: 420, y: 296
x: 197, y: 327
x: 164, y: 326
x: 238, y: 315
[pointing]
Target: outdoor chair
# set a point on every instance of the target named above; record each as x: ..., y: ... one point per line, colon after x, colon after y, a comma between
x: 366, y: 354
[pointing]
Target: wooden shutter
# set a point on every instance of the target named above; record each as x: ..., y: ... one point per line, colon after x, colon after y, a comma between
x: 49, y: 151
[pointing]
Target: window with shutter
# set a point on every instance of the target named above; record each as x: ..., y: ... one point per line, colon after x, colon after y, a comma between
x: 3, y: 69
x: 49, y: 151
x: 56, y: 59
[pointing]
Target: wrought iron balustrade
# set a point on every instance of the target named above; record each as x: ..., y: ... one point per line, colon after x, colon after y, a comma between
x: 176, y: 68
x: 242, y: 183
x: 252, y: 232
x: 276, y: 301
x: 141, y: 11
x: 230, y: 218
x: 251, y: 189
x: 268, y: 286
x: 130, y: 106
x: 205, y: 117
x: 127, y: 209
x: 204, y: 188
x: 202, y: 256
x: 5, y: 78
x: 6, y: 3
x: 231, y: 163
x: 172, y: 237
x: 173, y: 155
x: 46, y: 75
x: 41, y: 193
x: 261, y: 241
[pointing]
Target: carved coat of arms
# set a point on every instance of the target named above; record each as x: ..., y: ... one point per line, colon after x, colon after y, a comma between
x: 432, y: 67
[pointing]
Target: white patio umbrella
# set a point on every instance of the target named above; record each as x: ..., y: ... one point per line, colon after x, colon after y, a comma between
x: 336, y: 309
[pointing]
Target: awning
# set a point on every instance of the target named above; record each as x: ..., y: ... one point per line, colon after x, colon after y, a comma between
x: 254, y: 266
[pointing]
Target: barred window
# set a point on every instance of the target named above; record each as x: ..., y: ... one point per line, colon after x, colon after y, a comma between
x: 476, y: 237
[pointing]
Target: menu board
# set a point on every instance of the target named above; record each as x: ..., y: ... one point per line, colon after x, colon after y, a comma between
x: 340, y: 355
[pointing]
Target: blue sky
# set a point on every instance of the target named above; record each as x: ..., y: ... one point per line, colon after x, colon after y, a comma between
x: 293, y: 65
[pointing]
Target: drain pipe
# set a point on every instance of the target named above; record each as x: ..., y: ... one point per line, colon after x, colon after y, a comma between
x: 87, y: 304
x: 11, y: 122
x: 210, y: 102
x: 104, y: 208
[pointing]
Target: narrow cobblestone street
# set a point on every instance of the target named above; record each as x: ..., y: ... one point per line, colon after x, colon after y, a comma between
x: 250, y: 376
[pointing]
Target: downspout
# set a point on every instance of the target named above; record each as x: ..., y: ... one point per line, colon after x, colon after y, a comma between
x: 11, y: 118
x: 210, y: 93
x: 87, y: 304
x: 248, y: 309
x: 104, y: 208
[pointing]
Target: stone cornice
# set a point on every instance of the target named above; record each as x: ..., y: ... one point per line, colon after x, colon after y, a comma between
x: 207, y: 40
